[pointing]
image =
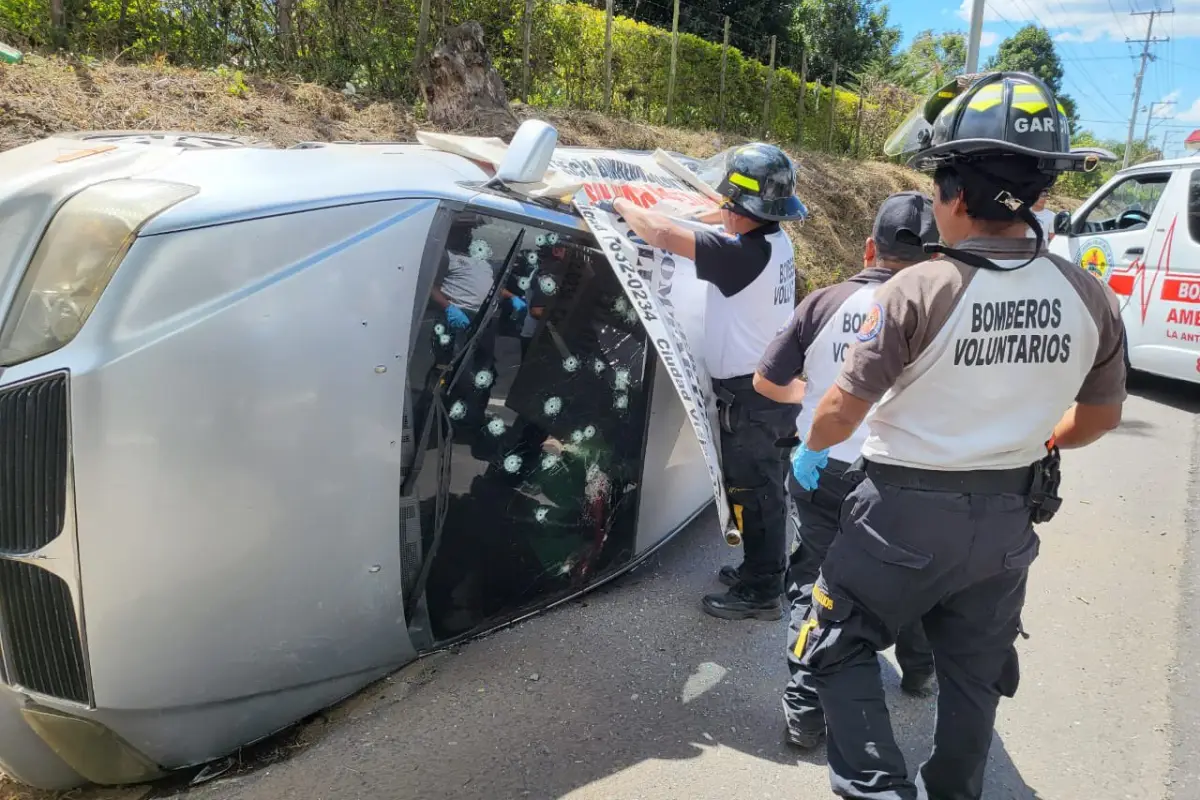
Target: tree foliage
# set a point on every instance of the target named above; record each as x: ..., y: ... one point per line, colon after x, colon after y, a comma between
x: 849, y: 33
x: 756, y: 20
x: 1081, y: 185
x: 931, y: 60
x: 1030, y: 50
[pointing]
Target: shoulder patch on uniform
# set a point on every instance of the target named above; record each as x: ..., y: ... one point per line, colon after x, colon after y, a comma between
x: 872, y: 324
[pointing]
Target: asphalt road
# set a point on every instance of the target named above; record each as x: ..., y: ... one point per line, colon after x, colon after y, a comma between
x: 633, y: 693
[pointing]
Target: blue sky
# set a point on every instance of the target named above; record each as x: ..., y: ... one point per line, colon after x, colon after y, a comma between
x: 1099, y: 66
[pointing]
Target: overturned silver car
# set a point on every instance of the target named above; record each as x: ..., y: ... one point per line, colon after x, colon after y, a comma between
x: 275, y: 422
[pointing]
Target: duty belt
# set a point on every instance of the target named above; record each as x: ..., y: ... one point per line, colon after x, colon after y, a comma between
x: 982, y: 481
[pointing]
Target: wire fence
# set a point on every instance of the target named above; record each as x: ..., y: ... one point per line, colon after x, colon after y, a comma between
x: 550, y: 53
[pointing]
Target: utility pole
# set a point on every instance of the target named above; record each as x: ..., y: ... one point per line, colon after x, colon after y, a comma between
x: 1137, y: 83
x: 975, y: 36
x: 1150, y: 117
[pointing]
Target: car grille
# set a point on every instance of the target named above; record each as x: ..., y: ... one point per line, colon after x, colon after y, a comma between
x: 33, y: 463
x: 45, y: 650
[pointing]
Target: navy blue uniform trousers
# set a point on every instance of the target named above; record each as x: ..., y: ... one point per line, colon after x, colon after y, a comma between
x: 958, y: 561
x: 818, y: 517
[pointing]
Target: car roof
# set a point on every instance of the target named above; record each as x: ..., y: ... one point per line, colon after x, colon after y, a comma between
x: 249, y: 182
x: 1170, y: 163
x: 242, y: 178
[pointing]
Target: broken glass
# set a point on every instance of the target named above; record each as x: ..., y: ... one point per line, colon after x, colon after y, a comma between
x: 546, y: 421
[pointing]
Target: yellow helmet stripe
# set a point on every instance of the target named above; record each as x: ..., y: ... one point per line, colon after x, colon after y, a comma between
x: 746, y: 182
x: 1032, y: 106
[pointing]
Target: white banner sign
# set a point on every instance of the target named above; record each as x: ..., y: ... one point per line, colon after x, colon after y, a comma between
x: 662, y: 287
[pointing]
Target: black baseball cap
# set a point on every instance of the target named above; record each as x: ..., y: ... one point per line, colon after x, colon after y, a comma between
x: 903, y: 225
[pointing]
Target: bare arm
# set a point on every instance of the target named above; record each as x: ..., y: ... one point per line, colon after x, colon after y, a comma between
x: 711, y: 217
x: 1084, y: 424
x: 791, y: 394
x: 658, y: 230
x: 440, y: 298
x: 837, y: 417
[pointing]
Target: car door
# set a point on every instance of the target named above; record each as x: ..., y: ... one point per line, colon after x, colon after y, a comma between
x: 1164, y: 299
x: 1112, y: 233
x: 533, y: 493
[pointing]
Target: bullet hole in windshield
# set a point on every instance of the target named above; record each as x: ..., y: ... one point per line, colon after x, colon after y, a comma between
x: 547, y: 422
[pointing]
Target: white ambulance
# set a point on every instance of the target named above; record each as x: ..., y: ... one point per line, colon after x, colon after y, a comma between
x: 1141, y: 233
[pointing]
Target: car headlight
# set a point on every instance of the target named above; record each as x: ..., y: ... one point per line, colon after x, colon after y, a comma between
x: 81, y: 249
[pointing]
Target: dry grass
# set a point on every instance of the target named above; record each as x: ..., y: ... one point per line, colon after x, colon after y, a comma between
x: 49, y: 95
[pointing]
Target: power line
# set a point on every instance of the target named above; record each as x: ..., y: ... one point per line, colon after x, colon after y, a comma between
x: 1117, y: 16
x: 1084, y: 75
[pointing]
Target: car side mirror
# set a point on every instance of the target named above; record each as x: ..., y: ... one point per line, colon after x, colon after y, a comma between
x: 1062, y: 223
x: 528, y: 155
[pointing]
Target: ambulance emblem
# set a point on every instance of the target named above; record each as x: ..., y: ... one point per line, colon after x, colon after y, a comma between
x: 1096, y: 257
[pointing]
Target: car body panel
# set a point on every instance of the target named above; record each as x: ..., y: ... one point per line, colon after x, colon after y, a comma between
x: 237, y: 405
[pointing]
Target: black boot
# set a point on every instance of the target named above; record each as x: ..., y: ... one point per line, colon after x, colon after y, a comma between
x: 737, y: 604
x: 730, y: 575
x: 804, y: 740
x: 917, y: 684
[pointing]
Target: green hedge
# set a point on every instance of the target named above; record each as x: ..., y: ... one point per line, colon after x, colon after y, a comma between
x: 567, y: 58
x: 372, y: 42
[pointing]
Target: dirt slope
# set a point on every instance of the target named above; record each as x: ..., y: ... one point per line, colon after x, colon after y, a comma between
x: 47, y: 95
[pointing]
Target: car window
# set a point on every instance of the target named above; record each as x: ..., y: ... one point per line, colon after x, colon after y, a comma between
x: 548, y: 420
x: 1194, y: 206
x: 1128, y: 206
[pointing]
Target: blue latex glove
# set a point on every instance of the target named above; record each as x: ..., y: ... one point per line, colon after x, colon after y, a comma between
x: 607, y: 206
x: 807, y: 466
x: 457, y: 318
x: 518, y: 306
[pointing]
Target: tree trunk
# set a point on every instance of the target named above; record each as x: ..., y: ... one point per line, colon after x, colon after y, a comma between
x: 461, y: 88
x: 283, y: 24
x: 58, y: 23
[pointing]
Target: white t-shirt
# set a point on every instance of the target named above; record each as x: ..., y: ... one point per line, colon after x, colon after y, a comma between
x: 1046, y: 218
x: 750, y: 296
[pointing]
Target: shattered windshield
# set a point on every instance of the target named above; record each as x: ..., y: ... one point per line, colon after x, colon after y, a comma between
x: 547, y: 418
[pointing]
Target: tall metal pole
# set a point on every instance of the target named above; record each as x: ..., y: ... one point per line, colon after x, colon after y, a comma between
x: 975, y: 37
x: 1137, y: 82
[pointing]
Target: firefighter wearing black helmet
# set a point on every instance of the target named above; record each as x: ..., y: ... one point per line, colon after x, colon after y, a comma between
x: 983, y: 362
x: 750, y: 268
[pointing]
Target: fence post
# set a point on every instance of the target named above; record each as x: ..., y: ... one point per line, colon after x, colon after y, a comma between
x: 608, y: 23
x: 528, y: 34
x: 770, y: 85
x: 803, y: 99
x: 422, y: 36
x: 674, y: 57
x: 724, y: 62
x: 858, y: 123
x: 832, y: 107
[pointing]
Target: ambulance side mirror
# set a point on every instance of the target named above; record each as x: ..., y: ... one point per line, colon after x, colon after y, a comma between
x: 1062, y: 223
